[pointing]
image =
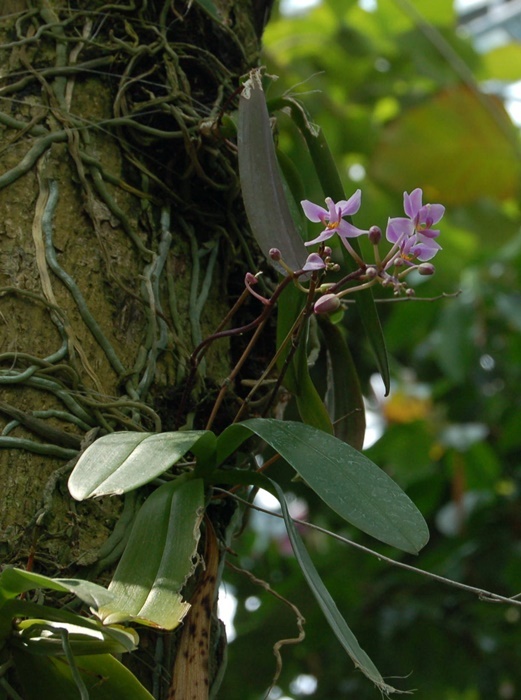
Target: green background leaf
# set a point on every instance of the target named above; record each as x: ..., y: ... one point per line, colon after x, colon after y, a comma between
x: 466, y: 140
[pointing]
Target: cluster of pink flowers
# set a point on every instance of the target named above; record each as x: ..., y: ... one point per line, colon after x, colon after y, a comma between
x: 413, y: 237
x: 413, y: 245
x: 413, y: 240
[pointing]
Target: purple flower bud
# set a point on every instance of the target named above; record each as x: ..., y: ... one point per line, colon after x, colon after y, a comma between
x: 275, y: 254
x: 328, y: 252
x: 375, y: 235
x: 426, y: 269
x: 249, y: 281
x: 326, y: 304
x: 314, y: 262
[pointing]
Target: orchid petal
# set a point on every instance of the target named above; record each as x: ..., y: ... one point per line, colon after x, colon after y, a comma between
x: 313, y: 212
x: 430, y: 214
x: 412, y: 203
x: 397, y: 228
x: 429, y: 233
x: 346, y: 230
x: 350, y: 206
x: 323, y: 236
x: 425, y: 250
x: 334, y: 213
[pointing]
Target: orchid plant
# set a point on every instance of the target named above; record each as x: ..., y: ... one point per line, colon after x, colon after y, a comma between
x: 192, y: 469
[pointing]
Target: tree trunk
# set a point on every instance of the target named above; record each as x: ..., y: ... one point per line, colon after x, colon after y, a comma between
x: 120, y: 230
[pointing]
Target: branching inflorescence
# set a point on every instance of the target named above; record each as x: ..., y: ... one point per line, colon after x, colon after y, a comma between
x: 412, y: 237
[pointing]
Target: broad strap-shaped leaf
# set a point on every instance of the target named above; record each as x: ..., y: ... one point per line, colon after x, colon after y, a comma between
x: 41, y: 636
x: 352, y: 485
x: 261, y: 183
x: 160, y: 556
x: 328, y: 606
x: 296, y: 378
x: 102, y: 676
x: 347, y: 410
x: 123, y: 461
x: 15, y: 609
x: 14, y: 582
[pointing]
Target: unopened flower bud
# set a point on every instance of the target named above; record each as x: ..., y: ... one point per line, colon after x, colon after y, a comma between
x: 314, y: 262
x: 249, y: 281
x: 325, y: 287
x: 375, y: 235
x: 326, y: 304
x: 275, y: 254
x: 328, y: 251
x: 426, y: 269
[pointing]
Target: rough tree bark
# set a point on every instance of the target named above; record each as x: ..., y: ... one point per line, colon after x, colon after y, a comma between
x: 121, y: 226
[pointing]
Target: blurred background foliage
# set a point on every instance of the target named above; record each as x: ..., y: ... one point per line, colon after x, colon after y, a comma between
x: 407, y: 100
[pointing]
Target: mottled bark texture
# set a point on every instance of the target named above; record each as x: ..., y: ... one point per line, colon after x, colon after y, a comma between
x: 121, y: 225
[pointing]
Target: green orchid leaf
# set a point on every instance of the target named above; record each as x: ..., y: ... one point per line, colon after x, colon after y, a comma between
x: 311, y: 408
x: 41, y: 636
x: 123, y: 461
x: 102, y: 678
x: 204, y: 451
x: 240, y: 477
x: 15, y: 609
x: 14, y: 581
x: 290, y: 305
x: 261, y: 183
x: 326, y: 603
x: 296, y: 378
x: 160, y: 556
x: 294, y: 185
x: 346, y: 480
x: 347, y: 410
